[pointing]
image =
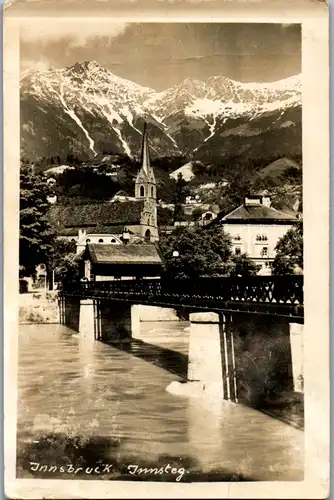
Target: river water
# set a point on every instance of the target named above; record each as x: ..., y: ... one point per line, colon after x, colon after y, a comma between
x: 86, y: 405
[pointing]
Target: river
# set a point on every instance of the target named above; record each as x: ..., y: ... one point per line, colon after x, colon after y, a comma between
x: 88, y: 410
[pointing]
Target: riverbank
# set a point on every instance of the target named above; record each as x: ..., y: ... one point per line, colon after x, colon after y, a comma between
x: 39, y: 307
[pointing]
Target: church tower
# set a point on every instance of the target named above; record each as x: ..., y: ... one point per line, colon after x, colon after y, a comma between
x: 146, y: 190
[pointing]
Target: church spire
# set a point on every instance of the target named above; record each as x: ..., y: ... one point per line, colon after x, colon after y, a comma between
x: 145, y: 152
x: 145, y: 181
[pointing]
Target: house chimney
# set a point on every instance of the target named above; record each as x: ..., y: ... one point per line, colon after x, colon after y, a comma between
x: 266, y: 201
x: 252, y: 200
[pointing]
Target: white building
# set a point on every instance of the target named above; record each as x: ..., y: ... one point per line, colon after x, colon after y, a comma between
x: 255, y: 228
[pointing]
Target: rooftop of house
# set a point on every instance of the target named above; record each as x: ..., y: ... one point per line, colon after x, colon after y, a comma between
x: 147, y: 254
x: 257, y: 212
x: 257, y: 209
x: 97, y: 218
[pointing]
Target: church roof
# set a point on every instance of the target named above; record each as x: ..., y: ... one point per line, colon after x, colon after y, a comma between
x: 124, y: 254
x: 257, y: 213
x: 95, y: 216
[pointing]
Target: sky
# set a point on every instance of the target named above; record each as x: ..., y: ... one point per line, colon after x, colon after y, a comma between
x: 160, y: 55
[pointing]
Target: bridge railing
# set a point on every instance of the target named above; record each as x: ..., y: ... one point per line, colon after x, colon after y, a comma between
x: 131, y: 288
x: 266, y: 289
x: 253, y: 289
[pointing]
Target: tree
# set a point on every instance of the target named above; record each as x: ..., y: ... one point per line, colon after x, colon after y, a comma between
x: 68, y: 268
x: 36, y: 235
x: 165, y: 216
x: 85, y: 183
x: 242, y: 265
x: 61, y: 248
x: 234, y: 194
x: 201, y: 251
x: 289, y: 252
x: 181, y: 192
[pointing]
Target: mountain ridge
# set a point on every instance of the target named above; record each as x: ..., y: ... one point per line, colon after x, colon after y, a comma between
x: 85, y: 109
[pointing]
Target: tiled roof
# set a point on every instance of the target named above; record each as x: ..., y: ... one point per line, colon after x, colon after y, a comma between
x: 106, y: 230
x: 95, y: 215
x: 68, y: 231
x: 124, y: 254
x: 257, y: 213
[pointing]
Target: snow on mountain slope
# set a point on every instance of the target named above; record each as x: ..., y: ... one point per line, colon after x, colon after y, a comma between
x: 96, y: 103
x: 186, y: 171
x: 220, y: 95
x: 86, y: 109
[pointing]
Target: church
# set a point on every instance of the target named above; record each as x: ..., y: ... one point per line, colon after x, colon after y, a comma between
x: 113, y: 222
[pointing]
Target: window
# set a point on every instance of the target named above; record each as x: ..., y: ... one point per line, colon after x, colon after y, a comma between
x: 73, y: 240
x: 258, y: 237
x: 265, y: 252
x: 148, y: 235
x: 152, y: 192
x: 237, y: 251
x: 100, y: 240
x: 112, y: 240
x: 88, y: 240
x: 264, y: 237
x: 142, y: 191
x: 237, y: 237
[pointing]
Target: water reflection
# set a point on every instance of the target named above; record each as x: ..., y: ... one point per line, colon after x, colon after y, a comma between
x: 86, y: 403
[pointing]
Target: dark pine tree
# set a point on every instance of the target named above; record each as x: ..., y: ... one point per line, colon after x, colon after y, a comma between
x: 181, y: 191
x: 36, y: 235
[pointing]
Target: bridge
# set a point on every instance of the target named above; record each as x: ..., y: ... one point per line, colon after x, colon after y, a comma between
x: 245, y: 332
x: 278, y: 296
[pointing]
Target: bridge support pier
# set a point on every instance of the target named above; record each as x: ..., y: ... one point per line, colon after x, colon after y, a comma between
x: 205, y: 361
x: 87, y: 318
x: 119, y: 321
x: 211, y: 361
x: 70, y: 312
x: 135, y: 321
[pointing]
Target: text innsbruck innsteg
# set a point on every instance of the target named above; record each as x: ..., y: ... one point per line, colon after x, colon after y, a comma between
x: 132, y: 469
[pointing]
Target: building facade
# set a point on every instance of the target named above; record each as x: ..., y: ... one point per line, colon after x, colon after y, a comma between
x: 255, y: 228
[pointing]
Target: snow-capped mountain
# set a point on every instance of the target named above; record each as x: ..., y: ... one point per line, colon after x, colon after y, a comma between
x: 87, y: 109
x: 198, y: 113
x: 219, y: 95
